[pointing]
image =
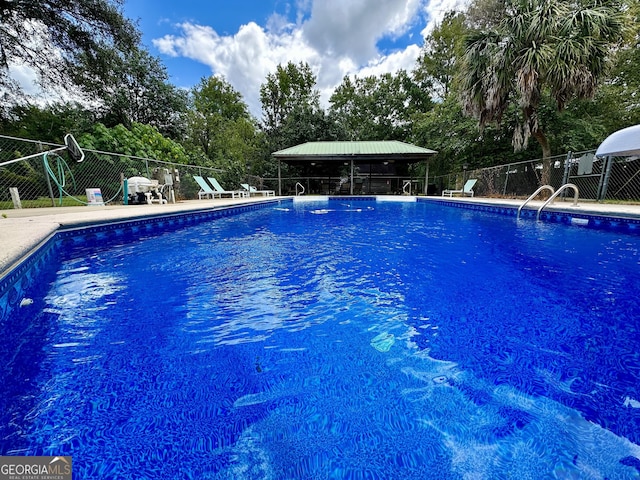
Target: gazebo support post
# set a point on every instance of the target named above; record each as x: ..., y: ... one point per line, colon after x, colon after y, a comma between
x: 279, y: 180
x: 351, y: 186
x: 426, y: 179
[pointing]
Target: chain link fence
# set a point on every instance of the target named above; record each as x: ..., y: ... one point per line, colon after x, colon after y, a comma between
x: 51, y: 179
x: 597, y: 178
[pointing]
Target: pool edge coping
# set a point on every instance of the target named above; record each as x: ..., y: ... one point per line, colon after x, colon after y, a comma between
x: 52, y: 229
x: 20, y: 274
x: 581, y: 216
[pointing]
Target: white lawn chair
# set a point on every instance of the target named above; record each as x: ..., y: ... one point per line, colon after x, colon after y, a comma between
x: 254, y: 191
x: 466, y: 190
x: 221, y: 191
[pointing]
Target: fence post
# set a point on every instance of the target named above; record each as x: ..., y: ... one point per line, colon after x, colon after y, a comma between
x: 567, y: 167
x: 175, y: 190
x: 506, y: 180
x: 605, y: 183
x: 124, y: 183
x: 15, y: 197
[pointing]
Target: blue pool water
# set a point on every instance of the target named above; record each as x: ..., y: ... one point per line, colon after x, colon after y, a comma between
x: 334, y: 340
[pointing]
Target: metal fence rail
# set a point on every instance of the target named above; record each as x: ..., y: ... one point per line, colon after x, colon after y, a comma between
x: 597, y: 178
x: 53, y: 179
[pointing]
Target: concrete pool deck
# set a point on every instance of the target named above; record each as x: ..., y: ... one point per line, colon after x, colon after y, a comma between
x: 23, y: 230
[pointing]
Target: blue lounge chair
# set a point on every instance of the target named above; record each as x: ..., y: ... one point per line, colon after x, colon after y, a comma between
x: 221, y: 191
x: 466, y: 190
x: 254, y: 191
x: 205, y: 189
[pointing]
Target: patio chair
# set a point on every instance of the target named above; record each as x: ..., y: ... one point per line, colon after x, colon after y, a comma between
x: 205, y: 188
x: 221, y: 191
x: 466, y: 190
x: 254, y: 191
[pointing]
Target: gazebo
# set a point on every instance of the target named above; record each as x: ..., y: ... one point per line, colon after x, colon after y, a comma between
x: 334, y: 155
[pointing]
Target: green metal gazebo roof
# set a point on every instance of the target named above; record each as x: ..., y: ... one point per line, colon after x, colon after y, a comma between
x: 367, y: 150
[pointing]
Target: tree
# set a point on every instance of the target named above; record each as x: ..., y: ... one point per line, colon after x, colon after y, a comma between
x: 290, y: 89
x: 238, y: 151
x: 458, y: 140
x: 308, y: 124
x: 215, y: 104
x: 221, y: 129
x: 133, y: 87
x: 538, y: 46
x: 140, y: 140
x: 623, y: 85
x: 485, y: 14
x: 442, y: 49
x: 47, y: 124
x: 378, y: 107
x: 51, y: 36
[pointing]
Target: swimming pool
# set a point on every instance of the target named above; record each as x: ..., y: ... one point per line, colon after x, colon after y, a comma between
x: 333, y: 340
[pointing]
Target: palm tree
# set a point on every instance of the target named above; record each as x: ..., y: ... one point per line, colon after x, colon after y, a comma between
x: 555, y: 47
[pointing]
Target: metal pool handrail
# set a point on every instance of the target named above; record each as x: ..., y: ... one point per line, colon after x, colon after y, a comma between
x: 560, y: 190
x: 298, y: 184
x: 533, y: 195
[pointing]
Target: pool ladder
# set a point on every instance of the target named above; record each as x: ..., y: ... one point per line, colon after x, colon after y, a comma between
x: 551, y: 198
x: 301, y: 192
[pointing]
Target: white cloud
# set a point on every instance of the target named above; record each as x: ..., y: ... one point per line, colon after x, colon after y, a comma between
x: 436, y: 9
x: 335, y: 37
x: 244, y: 59
x: 353, y: 28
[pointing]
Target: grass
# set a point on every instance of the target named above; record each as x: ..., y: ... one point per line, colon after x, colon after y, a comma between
x: 41, y: 202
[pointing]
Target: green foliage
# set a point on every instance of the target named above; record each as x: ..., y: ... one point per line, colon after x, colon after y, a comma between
x: 537, y: 48
x: 216, y: 107
x: 133, y: 87
x: 459, y: 141
x: 580, y: 126
x: 215, y: 96
x: 25, y: 177
x: 237, y: 150
x: 134, y: 144
x: 221, y: 131
x: 530, y: 67
x: 47, y: 124
x: 378, y: 108
x: 305, y: 124
x: 142, y: 141
x: 43, y: 202
x: 291, y: 108
x: 621, y: 94
x: 290, y: 87
x: 438, y: 63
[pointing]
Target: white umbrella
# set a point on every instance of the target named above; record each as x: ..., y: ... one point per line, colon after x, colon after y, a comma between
x: 625, y: 142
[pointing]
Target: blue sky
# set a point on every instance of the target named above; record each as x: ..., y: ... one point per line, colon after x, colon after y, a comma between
x: 157, y: 18
x: 244, y: 40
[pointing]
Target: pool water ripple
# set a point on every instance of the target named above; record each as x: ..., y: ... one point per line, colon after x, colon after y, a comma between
x: 397, y: 341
